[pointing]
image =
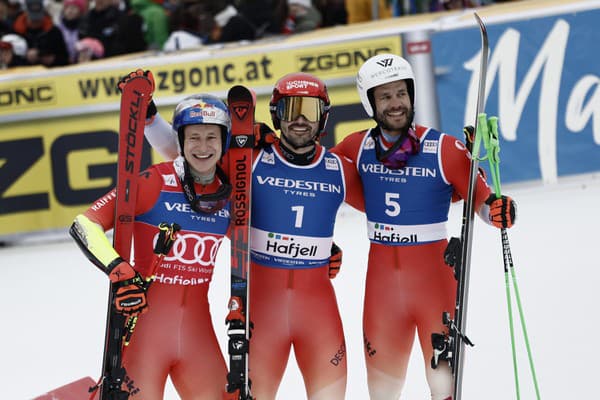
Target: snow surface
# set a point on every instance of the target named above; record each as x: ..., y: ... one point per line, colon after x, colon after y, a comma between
x: 54, y: 304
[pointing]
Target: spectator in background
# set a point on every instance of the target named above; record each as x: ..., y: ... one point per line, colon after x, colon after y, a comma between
x: 5, y: 24
x: 13, y: 8
x: 13, y: 49
x: 333, y: 12
x: 70, y: 19
x: 191, y: 24
x: 44, y: 40
x: 362, y: 10
x: 155, y: 20
x: 120, y: 31
x: 229, y: 25
x: 268, y: 16
x: 88, y: 49
x: 302, y: 17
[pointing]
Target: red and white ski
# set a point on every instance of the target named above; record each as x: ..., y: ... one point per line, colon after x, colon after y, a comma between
x: 134, y: 102
x: 241, y: 102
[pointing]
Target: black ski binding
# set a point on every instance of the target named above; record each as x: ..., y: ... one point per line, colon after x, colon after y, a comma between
x: 445, y: 343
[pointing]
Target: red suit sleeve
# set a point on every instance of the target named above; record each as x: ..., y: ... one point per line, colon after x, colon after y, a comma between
x: 102, y: 210
x: 456, y: 164
x: 347, y: 150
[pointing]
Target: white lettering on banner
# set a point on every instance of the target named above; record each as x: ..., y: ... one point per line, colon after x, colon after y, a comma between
x: 577, y: 113
x: 550, y: 58
x: 299, y: 184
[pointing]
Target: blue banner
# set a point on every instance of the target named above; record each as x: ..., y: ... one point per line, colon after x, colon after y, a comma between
x: 543, y: 84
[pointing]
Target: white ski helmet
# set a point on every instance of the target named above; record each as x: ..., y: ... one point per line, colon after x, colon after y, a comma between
x: 19, y: 44
x: 379, y: 70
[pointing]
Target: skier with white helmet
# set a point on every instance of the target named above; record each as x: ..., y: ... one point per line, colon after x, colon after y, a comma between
x: 175, y: 337
x: 410, y: 174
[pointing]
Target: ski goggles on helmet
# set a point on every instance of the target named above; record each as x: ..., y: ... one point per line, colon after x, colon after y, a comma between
x: 207, y: 203
x: 396, y: 157
x: 290, y: 108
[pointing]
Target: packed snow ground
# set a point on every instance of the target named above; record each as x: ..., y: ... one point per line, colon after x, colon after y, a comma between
x: 54, y: 304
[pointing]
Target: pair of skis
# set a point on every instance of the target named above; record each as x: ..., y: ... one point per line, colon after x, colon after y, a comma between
x: 450, y: 346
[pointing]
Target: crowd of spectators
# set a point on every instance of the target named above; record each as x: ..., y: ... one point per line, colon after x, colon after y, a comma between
x: 62, y: 32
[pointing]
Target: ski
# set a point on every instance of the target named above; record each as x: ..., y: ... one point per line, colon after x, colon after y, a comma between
x: 450, y: 345
x: 134, y: 101
x: 76, y: 390
x: 241, y: 102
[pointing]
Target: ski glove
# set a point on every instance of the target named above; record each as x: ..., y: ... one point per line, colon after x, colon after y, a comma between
x: 335, y: 261
x: 503, y: 211
x: 263, y: 135
x: 130, y: 296
x: 121, y: 271
x: 151, y: 110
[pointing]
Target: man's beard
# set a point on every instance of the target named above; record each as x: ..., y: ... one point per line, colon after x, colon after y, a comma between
x: 403, y: 128
x: 296, y: 142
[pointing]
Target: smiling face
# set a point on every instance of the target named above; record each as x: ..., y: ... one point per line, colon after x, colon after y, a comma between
x: 202, y: 147
x: 299, y: 134
x: 393, y: 109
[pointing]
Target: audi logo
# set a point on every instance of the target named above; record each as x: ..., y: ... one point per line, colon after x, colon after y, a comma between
x: 192, y: 248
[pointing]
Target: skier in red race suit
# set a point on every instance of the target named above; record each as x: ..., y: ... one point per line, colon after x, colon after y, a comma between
x: 175, y: 336
x: 409, y: 175
x: 297, y: 189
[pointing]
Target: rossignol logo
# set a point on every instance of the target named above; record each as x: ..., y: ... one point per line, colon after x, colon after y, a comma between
x: 285, y: 246
x: 385, y: 233
x: 241, y: 140
x: 386, y: 62
x: 240, y: 111
x: 299, y: 184
x: 240, y: 195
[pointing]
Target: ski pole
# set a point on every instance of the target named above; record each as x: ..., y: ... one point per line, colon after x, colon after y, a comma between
x: 489, y: 130
x: 166, y: 237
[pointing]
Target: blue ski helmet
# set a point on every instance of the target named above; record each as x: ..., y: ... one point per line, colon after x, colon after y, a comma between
x: 202, y: 109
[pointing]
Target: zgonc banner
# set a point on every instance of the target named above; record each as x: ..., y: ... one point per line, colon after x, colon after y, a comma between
x: 58, y: 142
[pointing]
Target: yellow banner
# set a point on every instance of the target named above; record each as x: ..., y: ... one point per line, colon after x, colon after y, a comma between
x: 79, y: 87
x: 60, y: 153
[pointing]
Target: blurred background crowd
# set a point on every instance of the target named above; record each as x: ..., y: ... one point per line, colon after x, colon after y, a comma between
x: 62, y: 32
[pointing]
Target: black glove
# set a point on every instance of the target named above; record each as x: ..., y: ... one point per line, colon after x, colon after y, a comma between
x: 264, y: 136
x: 335, y: 261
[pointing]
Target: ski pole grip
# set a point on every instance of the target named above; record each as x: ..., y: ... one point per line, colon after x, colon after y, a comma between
x: 166, y: 236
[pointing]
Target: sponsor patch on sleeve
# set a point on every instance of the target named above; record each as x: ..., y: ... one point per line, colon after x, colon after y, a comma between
x: 430, y: 146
